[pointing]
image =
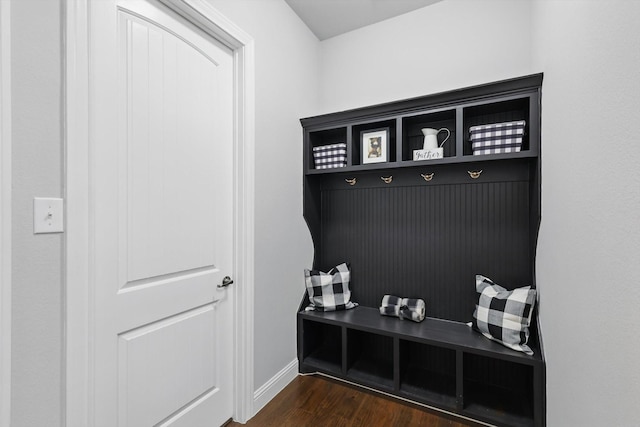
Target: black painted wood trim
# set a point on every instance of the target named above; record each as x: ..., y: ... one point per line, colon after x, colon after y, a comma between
x: 459, y: 96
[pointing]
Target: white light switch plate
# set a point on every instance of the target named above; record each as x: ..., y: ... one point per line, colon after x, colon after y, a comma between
x: 47, y: 215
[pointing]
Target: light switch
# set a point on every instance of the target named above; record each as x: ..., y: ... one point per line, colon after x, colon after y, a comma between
x: 47, y: 215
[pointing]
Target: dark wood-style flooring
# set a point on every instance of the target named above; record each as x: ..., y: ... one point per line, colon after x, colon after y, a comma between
x: 319, y: 401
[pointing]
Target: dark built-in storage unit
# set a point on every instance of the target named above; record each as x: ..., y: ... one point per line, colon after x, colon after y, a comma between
x: 424, y: 229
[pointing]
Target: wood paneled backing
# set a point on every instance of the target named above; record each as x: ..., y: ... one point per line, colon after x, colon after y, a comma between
x: 428, y: 242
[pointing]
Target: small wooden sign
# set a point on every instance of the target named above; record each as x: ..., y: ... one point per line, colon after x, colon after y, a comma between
x: 434, y: 153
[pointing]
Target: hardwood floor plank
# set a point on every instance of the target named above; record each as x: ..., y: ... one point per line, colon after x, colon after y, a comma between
x: 320, y: 401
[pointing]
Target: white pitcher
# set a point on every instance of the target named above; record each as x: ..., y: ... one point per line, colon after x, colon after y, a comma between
x: 431, y: 138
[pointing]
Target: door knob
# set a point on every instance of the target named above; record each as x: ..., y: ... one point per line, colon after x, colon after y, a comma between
x: 225, y: 282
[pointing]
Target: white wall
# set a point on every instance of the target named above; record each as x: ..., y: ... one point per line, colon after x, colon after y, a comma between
x: 286, y: 90
x: 448, y: 45
x: 37, y: 284
x: 589, y: 245
x: 5, y: 213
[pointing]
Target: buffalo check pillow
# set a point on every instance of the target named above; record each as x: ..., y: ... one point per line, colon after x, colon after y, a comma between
x: 504, y: 316
x: 329, y: 291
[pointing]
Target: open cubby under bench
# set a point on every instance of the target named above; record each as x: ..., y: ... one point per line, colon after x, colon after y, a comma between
x: 424, y: 229
x: 435, y: 362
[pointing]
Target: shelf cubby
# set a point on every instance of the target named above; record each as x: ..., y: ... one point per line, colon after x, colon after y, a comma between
x: 428, y: 373
x: 324, y: 350
x: 496, y: 112
x: 356, y: 145
x: 498, y: 389
x: 325, y: 137
x: 370, y: 359
x: 413, y: 139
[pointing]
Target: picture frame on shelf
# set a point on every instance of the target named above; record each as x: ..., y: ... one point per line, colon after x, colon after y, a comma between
x: 374, y: 145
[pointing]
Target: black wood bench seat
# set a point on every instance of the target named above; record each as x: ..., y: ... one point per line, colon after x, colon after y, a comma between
x: 438, y: 332
x: 441, y: 363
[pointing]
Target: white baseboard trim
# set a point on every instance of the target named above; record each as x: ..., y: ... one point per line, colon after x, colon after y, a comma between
x: 275, y: 385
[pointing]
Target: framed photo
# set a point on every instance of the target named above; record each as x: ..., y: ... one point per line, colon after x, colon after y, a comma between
x: 375, y: 145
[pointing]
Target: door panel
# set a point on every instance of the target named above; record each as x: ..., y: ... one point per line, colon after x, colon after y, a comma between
x: 148, y: 387
x: 171, y: 97
x: 162, y: 298
x: 161, y: 116
x: 194, y: 414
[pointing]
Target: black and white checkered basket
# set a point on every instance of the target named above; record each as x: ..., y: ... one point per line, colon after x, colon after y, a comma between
x: 330, y: 156
x: 497, y: 138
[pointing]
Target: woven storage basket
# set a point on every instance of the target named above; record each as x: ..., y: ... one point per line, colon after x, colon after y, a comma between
x: 330, y: 156
x: 497, y: 138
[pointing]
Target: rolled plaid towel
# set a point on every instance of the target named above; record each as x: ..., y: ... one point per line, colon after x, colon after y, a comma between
x: 412, y: 309
x: 391, y: 300
x: 390, y: 310
x: 403, y: 308
x: 390, y: 306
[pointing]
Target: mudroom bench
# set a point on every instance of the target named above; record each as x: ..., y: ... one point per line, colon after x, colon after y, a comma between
x: 412, y: 196
x: 437, y: 362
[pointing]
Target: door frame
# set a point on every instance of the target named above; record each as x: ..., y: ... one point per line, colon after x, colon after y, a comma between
x: 5, y: 212
x: 79, y: 391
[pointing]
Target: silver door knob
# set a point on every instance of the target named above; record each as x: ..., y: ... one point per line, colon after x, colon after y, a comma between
x: 225, y: 282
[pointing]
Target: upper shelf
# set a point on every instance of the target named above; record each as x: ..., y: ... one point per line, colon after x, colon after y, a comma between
x: 415, y: 164
x: 385, y: 136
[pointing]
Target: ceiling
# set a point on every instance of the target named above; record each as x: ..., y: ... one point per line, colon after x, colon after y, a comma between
x: 328, y: 18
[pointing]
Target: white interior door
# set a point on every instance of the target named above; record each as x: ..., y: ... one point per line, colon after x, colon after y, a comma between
x: 161, y: 125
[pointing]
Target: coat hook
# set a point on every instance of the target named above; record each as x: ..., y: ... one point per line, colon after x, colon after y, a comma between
x: 351, y: 181
x: 387, y: 179
x: 428, y: 177
x: 474, y: 174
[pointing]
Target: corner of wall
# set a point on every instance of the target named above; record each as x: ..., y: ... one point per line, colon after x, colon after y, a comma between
x: 266, y: 392
x: 286, y: 57
x: 589, y: 236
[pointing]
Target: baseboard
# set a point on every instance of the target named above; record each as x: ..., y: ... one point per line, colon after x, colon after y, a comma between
x: 271, y: 388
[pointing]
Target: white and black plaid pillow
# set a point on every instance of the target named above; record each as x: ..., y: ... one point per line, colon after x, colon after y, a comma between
x: 504, y: 316
x: 329, y: 291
